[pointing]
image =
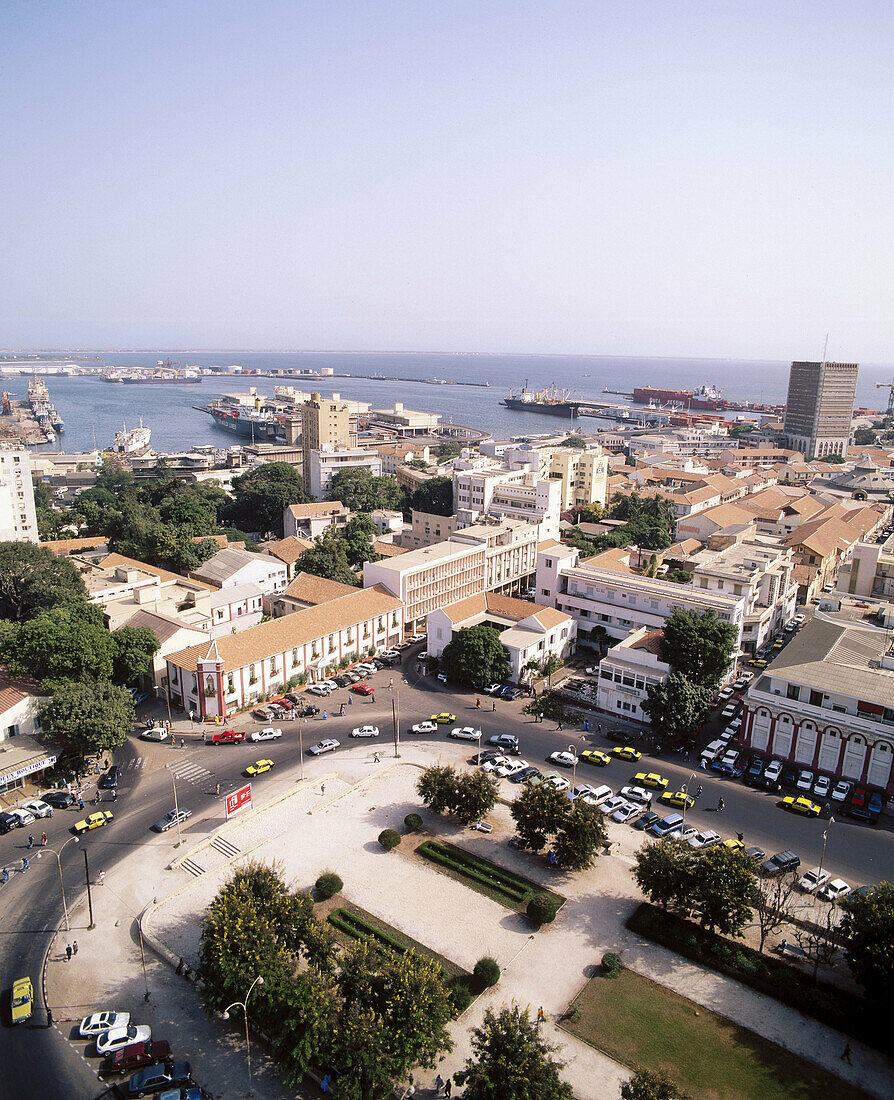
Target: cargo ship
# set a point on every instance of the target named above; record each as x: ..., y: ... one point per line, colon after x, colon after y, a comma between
x: 552, y: 401
x: 133, y: 442
x: 706, y: 397
x: 258, y: 426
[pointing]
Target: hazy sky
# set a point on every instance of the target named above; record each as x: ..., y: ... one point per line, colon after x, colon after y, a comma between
x: 660, y: 178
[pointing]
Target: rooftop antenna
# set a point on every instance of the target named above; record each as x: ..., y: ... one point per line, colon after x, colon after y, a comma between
x: 825, y: 348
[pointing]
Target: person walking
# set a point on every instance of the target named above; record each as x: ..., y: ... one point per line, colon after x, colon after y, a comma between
x: 846, y: 1054
x: 477, y: 704
x: 102, y: 878
x: 448, y: 1086
x: 68, y: 952
x: 740, y: 837
x: 541, y: 1015
x: 217, y: 789
x: 699, y: 790
x: 5, y: 876
x: 493, y: 705
x: 439, y: 1085
x: 74, y: 948
x: 43, y: 840
x: 373, y: 696
x: 30, y: 841
x: 25, y: 863
x: 80, y: 803
x: 720, y: 805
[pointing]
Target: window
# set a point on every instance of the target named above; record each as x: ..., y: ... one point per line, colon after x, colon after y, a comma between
x: 792, y: 691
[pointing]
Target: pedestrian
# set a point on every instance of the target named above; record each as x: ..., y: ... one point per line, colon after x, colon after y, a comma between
x: 846, y: 1054
x: 376, y: 756
x: 448, y: 1086
x: 324, y: 1084
x: 80, y: 803
x: 5, y: 876
x: 68, y: 952
x: 720, y: 805
x: 322, y: 788
x: 325, y: 715
x: 217, y: 789
x: 493, y: 705
x: 179, y: 969
x: 43, y: 840
x: 541, y: 1015
x: 477, y: 704
x: 698, y: 791
x: 439, y: 1084
x: 187, y: 973
x: 704, y: 765
x: 586, y: 727
x: 373, y: 696
x: 49, y: 1016
x: 391, y: 683
x: 102, y: 878
x: 25, y: 863
x: 559, y: 727
x: 182, y: 742
x: 74, y: 948
x: 740, y: 837
x: 30, y: 841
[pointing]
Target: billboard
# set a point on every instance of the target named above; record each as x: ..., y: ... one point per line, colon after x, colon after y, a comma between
x: 238, y: 799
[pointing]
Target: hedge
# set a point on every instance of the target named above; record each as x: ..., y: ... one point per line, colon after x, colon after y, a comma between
x: 827, y: 1003
x: 514, y: 892
x: 327, y: 885
x: 541, y: 909
x: 389, y: 839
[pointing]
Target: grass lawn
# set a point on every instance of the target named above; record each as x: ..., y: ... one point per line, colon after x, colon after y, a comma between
x: 645, y: 1026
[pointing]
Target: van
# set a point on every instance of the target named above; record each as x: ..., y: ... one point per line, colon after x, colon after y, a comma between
x: 712, y: 751
x: 667, y: 826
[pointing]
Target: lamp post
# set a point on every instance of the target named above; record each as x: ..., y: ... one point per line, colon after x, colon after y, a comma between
x: 825, y: 839
x: 573, y: 749
x: 244, y: 1006
x: 176, y: 809
x: 301, y: 743
x: 686, y: 796
x: 58, y: 855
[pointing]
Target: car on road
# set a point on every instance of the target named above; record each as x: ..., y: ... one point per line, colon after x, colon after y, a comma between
x: 155, y: 733
x: 707, y: 838
x: 464, y: 733
x: 259, y: 767
x: 268, y: 733
x: 595, y: 757
x: 834, y: 891
x: 131, y: 1058
x: 172, y: 818
x: 507, y: 742
x: 729, y: 710
x: 153, y: 1079
x: 650, y: 779
x: 510, y: 768
x: 363, y: 689
x: 813, y: 879
x: 21, y: 1000
x: 530, y: 772
x: 23, y: 817
x: 646, y: 821
x: 306, y: 710
x: 116, y: 1038
x: 625, y: 814
x: 773, y: 771
x: 557, y: 782
x: 637, y: 794
x: 626, y: 752
x: 99, y: 1022
x: 7, y: 822
x: 425, y: 727
x: 805, y: 781
x: 667, y: 826
x: 60, y: 800
x: 802, y: 806
x: 563, y: 758
x: 678, y: 798
x: 329, y: 744
x: 444, y: 718
x: 93, y: 821
x: 365, y: 731
x: 822, y: 787
x: 780, y: 864
x: 37, y: 808
x: 841, y: 791
x: 758, y: 663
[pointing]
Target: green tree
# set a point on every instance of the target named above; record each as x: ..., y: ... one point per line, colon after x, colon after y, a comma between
x: 68, y: 644
x: 676, y: 707
x: 476, y: 655
x: 646, y: 1085
x: 443, y: 451
x: 89, y: 718
x: 664, y: 870
x: 434, y: 496
x: 437, y: 787
x: 476, y: 795
x: 360, y: 491
x: 865, y: 437
x: 724, y: 890
x: 581, y: 833
x: 575, y: 441
x: 539, y: 813
x: 135, y: 646
x: 511, y: 1061
x: 328, y: 557
x: 261, y: 495
x: 700, y: 645
x: 358, y: 536
x: 33, y: 579
x: 868, y: 927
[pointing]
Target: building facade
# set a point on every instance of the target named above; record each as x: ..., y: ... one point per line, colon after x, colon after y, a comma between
x: 627, y: 670
x: 18, y: 519
x: 324, y: 464
x: 819, y: 407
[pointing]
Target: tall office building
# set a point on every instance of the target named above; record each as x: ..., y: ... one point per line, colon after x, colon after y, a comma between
x: 326, y: 424
x: 18, y: 519
x: 819, y: 407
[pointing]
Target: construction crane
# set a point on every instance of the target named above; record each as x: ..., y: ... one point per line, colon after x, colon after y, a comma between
x: 890, y: 387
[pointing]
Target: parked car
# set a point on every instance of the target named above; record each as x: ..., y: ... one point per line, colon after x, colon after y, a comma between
x: 7, y: 822
x: 343, y: 681
x: 363, y: 689
x: 611, y: 805
x: 482, y: 826
x: 870, y: 810
x: 525, y: 774
x: 557, y: 782
x: 625, y: 814
x: 637, y: 794
x: 711, y: 752
x: 116, y: 1038
x: 678, y: 798
x: 773, y: 771
x: 707, y: 838
x: 507, y: 742
x: 595, y: 757
x: 780, y: 864
x: 225, y: 737
x: 841, y: 791
x: 99, y: 1022
x: 805, y: 781
x: 314, y: 689
x: 813, y: 879
x: 153, y: 1079
x: 307, y: 710
x: 93, y: 821
x: 131, y: 1058
x: 834, y: 891
x: 171, y: 818
x: 36, y: 807
x: 23, y: 817
x: 110, y: 781
x: 21, y: 1001
x: 789, y: 778
x: 564, y: 759
x: 329, y: 744
x: 365, y: 731
x: 755, y: 854
x: 510, y: 768
x: 622, y: 736
x: 265, y: 713
x: 596, y: 797
x: 647, y: 820
x: 60, y: 800
x: 667, y: 826
x: 268, y: 733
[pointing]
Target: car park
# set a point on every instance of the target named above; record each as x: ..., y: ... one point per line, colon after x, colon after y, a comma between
x: 637, y: 794
x: 841, y: 791
x: 93, y: 821
x: 99, y: 1022
x: 265, y: 713
x: 444, y: 718
x: 834, y: 891
x: 37, y: 808
x: 595, y: 757
x: 509, y: 769
x: 667, y: 826
x: 425, y: 727
x: 153, y: 1079
x: 563, y: 758
x: 557, y: 782
x: 598, y: 795
x: 780, y: 864
x: 483, y: 757
x: 155, y: 733
x: 495, y: 762
x: 647, y: 820
x: 60, y: 800
x: 525, y: 774
x: 343, y: 680
x: 131, y: 1058
x: 268, y: 733
x: 801, y: 805
x: 707, y: 838
x: 172, y: 818
x: 116, y: 1038
x: 869, y: 810
x: 650, y: 779
x: 464, y: 733
x: 7, y: 822
x: 678, y: 798
x: 822, y: 787
x: 813, y: 879
x: 259, y: 767
x: 627, y: 752
x: 21, y: 1001
x: 23, y: 817
x: 755, y: 766
x: 329, y: 744
x: 506, y: 742
x: 314, y: 689
x: 805, y: 781
x: 611, y: 805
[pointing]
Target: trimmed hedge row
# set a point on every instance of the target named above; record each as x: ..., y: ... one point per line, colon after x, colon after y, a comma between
x: 514, y: 891
x: 765, y: 973
x: 359, y: 929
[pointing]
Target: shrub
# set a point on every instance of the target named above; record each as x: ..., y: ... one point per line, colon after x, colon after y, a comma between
x: 461, y: 995
x: 389, y: 839
x: 486, y: 973
x: 327, y: 885
x: 413, y: 822
x: 611, y: 964
x: 541, y: 910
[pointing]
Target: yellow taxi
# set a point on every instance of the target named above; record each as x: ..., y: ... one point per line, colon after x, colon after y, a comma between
x: 650, y: 779
x: 734, y: 844
x: 22, y: 1000
x: 94, y: 821
x: 626, y: 752
x: 678, y: 798
x: 259, y: 767
x: 801, y: 805
x: 594, y: 756
x: 757, y: 662
x: 443, y: 719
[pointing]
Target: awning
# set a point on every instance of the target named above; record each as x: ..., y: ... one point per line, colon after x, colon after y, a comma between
x: 22, y: 756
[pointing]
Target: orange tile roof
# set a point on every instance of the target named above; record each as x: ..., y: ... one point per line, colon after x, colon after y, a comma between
x: 66, y: 546
x: 314, y: 590
x: 289, y: 549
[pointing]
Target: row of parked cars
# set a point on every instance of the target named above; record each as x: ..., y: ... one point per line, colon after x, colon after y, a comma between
x: 128, y: 1050
x: 358, y: 672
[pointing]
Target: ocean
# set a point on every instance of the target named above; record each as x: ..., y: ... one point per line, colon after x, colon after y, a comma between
x: 95, y: 410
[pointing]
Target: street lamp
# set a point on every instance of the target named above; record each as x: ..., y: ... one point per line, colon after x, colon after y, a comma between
x: 176, y: 809
x: 244, y: 1006
x: 686, y: 796
x: 72, y: 840
x: 825, y: 838
x: 301, y: 743
x: 573, y: 749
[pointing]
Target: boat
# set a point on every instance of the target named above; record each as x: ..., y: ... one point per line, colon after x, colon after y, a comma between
x: 247, y: 421
x: 132, y: 442
x: 552, y: 401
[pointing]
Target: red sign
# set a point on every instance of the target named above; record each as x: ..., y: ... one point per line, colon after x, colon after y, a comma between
x: 238, y: 799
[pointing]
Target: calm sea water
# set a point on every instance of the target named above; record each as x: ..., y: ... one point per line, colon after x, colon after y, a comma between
x: 92, y: 408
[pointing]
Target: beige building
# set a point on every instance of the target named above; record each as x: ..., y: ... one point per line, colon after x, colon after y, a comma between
x: 820, y: 407
x: 427, y: 528
x: 627, y: 670
x: 325, y: 422
x: 581, y: 473
x: 309, y: 521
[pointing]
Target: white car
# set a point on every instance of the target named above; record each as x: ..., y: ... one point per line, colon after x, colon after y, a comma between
x: 822, y: 786
x: 805, y: 781
x: 365, y: 731
x: 598, y: 796
x: 117, y: 1037
x: 329, y: 745
x: 156, y: 733
x: 835, y: 890
x: 637, y: 794
x: 592, y: 670
x: 686, y: 833
x: 557, y: 782
x: 841, y: 792
x: 494, y: 763
x: 580, y: 790
x: 729, y: 711
x: 38, y: 808
x: 268, y: 733
x: 102, y: 1021
x: 319, y: 689
x: 414, y: 638
x: 610, y: 805
x: 773, y: 771
x: 493, y: 689
x: 566, y: 759
x: 813, y: 880
x: 725, y: 693
x: 712, y: 751
x: 706, y: 839
x: 465, y: 733
x: 424, y: 727
x: 367, y: 668
x: 22, y: 816
x: 627, y: 812
x: 511, y: 767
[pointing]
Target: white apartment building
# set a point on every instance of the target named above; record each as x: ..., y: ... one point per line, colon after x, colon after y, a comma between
x: 611, y: 599
x: 511, y: 551
x: 505, y: 491
x: 627, y: 669
x: 18, y: 519
x: 324, y: 464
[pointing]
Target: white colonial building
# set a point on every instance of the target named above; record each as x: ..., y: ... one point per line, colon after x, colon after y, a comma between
x: 627, y: 670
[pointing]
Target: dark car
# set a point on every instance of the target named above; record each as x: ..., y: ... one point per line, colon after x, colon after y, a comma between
x: 483, y: 757
x: 342, y: 681
x: 308, y: 711
x: 505, y: 742
x: 780, y: 864
x: 8, y: 822
x: 131, y: 1058
x: 524, y: 774
x: 646, y: 821
x: 110, y: 780
x: 756, y: 766
x: 755, y: 854
x: 152, y: 1079
x: 60, y: 800
x: 620, y: 736
x: 763, y: 783
x: 869, y: 810
x: 789, y: 778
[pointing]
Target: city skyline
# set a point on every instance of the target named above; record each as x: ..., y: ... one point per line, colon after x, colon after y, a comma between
x: 572, y: 180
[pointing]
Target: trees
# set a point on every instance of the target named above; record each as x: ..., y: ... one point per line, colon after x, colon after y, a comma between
x: 469, y: 795
x: 68, y: 644
x: 437, y: 787
x: 434, y: 495
x: 700, y: 645
x: 33, y: 579
x: 723, y: 890
x: 475, y: 655
x: 358, y: 538
x: 865, y: 437
x: 328, y: 557
x: 538, y: 812
x: 676, y: 707
x: 574, y: 441
x: 773, y: 905
x: 91, y: 718
x: 645, y: 1085
x: 581, y: 832
x: 135, y: 646
x: 817, y: 941
x: 360, y: 491
x: 868, y: 926
x: 543, y: 814
x: 664, y: 871
x: 261, y: 495
x: 511, y: 1061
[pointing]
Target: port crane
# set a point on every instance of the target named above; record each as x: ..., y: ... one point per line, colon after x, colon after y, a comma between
x: 890, y: 387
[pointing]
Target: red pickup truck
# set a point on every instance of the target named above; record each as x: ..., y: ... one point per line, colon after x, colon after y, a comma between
x: 225, y: 737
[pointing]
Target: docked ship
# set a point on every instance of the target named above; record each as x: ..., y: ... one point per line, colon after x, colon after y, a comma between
x: 247, y: 420
x: 48, y: 420
x: 152, y: 377
x: 132, y: 442
x: 552, y: 401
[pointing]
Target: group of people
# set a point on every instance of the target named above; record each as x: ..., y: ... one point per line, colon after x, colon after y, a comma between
x: 43, y: 840
x: 71, y: 949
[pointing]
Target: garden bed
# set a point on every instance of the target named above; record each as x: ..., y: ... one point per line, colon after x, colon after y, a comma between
x: 506, y: 887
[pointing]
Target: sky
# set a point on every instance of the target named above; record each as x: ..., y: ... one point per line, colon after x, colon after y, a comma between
x: 667, y: 178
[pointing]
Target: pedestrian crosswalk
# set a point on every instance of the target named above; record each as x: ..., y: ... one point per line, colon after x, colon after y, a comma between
x: 193, y: 773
